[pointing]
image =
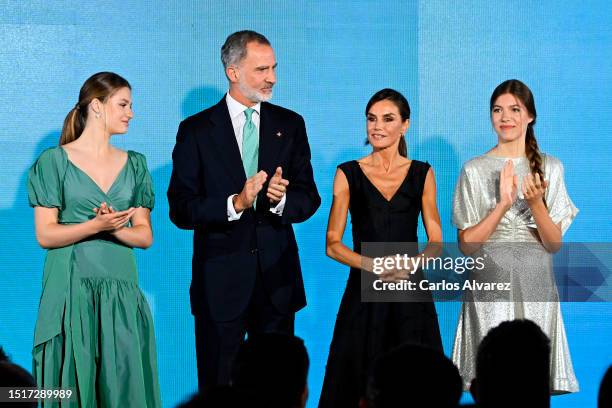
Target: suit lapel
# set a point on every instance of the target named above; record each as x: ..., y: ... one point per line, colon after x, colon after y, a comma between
x: 225, y: 140
x: 270, y: 141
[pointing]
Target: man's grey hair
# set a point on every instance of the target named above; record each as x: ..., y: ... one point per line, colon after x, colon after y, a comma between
x: 235, y: 47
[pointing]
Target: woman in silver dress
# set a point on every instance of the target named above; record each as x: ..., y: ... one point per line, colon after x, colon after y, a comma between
x: 514, y: 195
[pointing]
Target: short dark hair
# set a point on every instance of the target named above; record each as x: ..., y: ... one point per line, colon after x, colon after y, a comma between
x: 235, y: 47
x: 13, y: 375
x: 514, y: 349
x: 604, y: 399
x: 3, y: 356
x: 220, y: 396
x: 273, y: 366
x: 414, y: 375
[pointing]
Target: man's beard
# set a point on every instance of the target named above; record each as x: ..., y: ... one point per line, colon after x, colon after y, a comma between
x: 252, y: 94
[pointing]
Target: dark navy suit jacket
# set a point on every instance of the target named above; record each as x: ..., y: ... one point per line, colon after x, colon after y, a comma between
x: 207, y: 169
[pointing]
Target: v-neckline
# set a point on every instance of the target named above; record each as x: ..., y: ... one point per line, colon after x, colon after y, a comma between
x: 110, y: 188
x: 397, y: 190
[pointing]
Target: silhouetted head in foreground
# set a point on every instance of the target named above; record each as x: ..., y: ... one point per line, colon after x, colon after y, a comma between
x: 513, y: 367
x: 12, y: 375
x: 274, y: 368
x: 413, y: 376
x: 605, y: 390
x: 222, y: 396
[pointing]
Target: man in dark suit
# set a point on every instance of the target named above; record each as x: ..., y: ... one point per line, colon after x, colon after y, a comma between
x: 241, y: 176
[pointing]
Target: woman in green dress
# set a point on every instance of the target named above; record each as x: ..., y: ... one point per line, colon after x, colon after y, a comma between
x: 92, y: 202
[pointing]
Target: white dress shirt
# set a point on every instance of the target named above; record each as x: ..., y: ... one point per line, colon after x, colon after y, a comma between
x: 236, y: 111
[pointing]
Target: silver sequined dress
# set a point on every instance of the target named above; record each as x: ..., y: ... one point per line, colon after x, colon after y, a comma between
x: 476, y: 194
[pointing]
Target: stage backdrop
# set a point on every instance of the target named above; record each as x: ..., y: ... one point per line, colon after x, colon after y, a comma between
x: 332, y: 57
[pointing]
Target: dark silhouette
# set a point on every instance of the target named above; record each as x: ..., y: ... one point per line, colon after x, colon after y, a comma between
x: 413, y: 376
x: 12, y: 375
x: 222, y: 396
x: 274, y: 368
x: 605, y: 390
x: 514, y: 350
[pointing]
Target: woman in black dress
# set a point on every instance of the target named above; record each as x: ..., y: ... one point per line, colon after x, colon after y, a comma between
x: 385, y: 193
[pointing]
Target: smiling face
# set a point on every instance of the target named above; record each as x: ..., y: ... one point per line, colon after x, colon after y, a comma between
x: 252, y: 79
x: 385, y: 125
x: 510, y: 118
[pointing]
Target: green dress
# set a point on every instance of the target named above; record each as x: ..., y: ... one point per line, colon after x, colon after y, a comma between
x: 94, y: 331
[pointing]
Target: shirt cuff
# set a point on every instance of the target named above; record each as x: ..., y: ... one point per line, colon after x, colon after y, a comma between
x: 232, y: 215
x: 278, y: 209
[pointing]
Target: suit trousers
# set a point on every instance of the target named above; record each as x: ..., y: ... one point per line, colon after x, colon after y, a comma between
x: 217, y: 343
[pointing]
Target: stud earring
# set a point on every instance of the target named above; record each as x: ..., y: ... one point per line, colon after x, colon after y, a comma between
x: 97, y: 115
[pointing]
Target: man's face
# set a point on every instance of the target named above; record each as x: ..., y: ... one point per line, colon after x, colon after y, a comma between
x: 255, y: 75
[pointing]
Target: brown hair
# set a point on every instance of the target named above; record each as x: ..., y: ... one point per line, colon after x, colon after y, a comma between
x: 98, y: 86
x: 523, y: 93
x: 398, y: 100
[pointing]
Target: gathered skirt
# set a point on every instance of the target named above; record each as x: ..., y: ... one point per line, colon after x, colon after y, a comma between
x: 104, y: 350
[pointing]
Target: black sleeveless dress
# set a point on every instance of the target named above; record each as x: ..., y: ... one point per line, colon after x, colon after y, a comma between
x: 363, y: 330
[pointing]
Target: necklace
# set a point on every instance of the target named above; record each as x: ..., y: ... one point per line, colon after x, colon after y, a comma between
x: 382, y: 162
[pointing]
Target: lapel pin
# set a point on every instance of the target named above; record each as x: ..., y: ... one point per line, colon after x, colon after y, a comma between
x: 279, y: 134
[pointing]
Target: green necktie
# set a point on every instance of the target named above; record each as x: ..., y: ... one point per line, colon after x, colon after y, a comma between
x: 250, y: 145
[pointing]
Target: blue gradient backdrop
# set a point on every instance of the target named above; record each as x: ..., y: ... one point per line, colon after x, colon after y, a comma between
x: 332, y: 56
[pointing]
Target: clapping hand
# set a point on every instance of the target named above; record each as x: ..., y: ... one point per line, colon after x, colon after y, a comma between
x: 533, y: 189
x: 249, y: 192
x: 508, y: 185
x: 108, y: 219
x: 277, y: 187
x: 104, y: 209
